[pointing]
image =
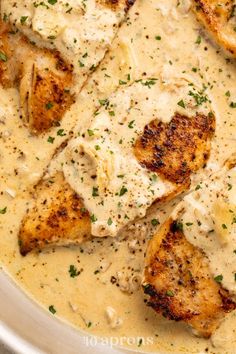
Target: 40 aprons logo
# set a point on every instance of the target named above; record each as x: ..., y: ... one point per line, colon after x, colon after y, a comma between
x: 118, y: 341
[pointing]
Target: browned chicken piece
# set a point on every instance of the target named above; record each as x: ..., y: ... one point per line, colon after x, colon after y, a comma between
x: 177, y: 149
x: 43, y: 78
x: 179, y: 283
x: 219, y: 17
x: 57, y: 217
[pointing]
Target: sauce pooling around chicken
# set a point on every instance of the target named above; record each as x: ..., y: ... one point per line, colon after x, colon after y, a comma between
x: 159, y: 38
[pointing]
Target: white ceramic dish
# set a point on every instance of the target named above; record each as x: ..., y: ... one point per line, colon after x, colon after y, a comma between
x: 27, y: 329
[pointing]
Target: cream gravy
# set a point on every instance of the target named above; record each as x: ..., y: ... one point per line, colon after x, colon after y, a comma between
x: 157, y: 34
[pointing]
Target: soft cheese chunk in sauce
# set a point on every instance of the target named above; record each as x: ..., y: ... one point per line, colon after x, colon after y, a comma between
x: 209, y: 222
x: 80, y: 30
x: 100, y: 164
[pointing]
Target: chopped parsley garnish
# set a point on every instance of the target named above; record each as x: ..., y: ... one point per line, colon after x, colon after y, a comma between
x: 123, y: 191
x: 111, y: 113
x: 140, y: 342
x: 73, y: 271
x: 5, y: 17
x: 51, y: 140
x: 121, y: 82
x: 83, y: 210
x: 3, y: 57
x: 199, y: 97
x: 81, y: 64
x: 158, y: 38
x: 227, y: 93
x: 198, y: 40
x: 23, y: 19
x: 52, y: 309
x: 219, y: 278
x: 95, y: 192
x: 131, y: 124
x: 149, y: 83
x: 90, y: 132
x: 155, y: 222
x: 60, y: 132
x: 170, y: 293
x: 52, y: 2
x: 232, y: 104
x: 104, y: 102
x: 224, y: 226
x: 93, y: 218
x: 154, y: 178
x: 181, y: 103
x: 189, y: 223
x: 89, y: 324
x: 109, y: 221
x: 48, y: 105
x: 3, y: 210
x: 179, y: 226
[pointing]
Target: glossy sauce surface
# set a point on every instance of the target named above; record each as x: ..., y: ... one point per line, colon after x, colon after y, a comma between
x: 159, y: 39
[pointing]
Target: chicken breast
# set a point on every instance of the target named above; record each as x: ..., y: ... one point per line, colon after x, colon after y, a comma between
x: 57, y: 217
x: 190, y: 263
x: 219, y: 17
x: 43, y: 78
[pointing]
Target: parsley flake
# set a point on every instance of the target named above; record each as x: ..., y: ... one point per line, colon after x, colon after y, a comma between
x: 123, y: 191
x: 219, y: 278
x: 52, y: 309
x: 3, y: 210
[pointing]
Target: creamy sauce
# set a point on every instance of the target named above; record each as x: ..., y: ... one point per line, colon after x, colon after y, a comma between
x: 209, y: 222
x: 155, y: 34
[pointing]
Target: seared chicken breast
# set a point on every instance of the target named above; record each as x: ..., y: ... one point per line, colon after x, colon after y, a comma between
x: 57, y: 217
x: 179, y: 282
x: 43, y: 78
x: 190, y: 262
x: 219, y: 17
x: 177, y: 149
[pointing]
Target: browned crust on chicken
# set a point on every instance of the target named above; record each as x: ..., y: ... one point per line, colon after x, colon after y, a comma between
x: 176, y: 149
x: 116, y: 4
x: 43, y: 78
x: 46, y: 101
x: 8, y: 68
x: 179, y: 282
x: 57, y: 217
x: 216, y: 16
